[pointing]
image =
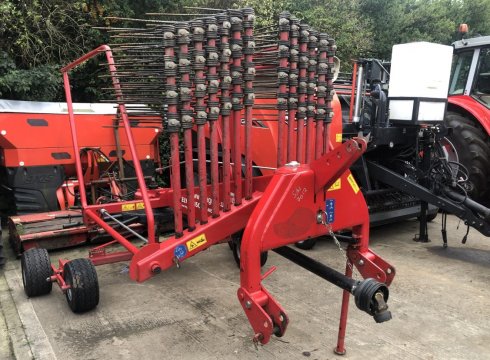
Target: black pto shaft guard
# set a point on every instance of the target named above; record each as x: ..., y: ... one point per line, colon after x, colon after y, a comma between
x: 371, y: 297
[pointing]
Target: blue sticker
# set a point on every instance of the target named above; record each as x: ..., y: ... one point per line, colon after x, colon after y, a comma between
x: 180, y: 251
x: 330, y: 210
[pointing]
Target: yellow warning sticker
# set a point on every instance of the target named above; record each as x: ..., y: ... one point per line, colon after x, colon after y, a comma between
x: 337, y: 185
x: 353, y: 183
x: 140, y: 206
x: 196, y: 242
x: 338, y: 137
x: 128, y: 207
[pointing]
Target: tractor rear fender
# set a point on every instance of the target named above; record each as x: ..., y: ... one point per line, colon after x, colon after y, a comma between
x: 467, y: 106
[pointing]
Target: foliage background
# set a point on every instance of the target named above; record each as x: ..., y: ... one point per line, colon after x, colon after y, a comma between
x: 39, y: 36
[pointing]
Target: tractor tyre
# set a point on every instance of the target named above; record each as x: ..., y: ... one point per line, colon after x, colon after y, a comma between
x: 36, y: 269
x: 470, y: 145
x: 235, y: 245
x: 83, y: 294
x: 306, y: 244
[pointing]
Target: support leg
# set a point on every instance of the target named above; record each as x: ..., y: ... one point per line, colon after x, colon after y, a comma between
x: 340, y: 349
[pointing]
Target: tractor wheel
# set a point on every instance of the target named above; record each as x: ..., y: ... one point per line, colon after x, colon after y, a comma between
x: 36, y: 269
x: 235, y: 245
x: 306, y: 244
x: 470, y: 146
x: 83, y: 294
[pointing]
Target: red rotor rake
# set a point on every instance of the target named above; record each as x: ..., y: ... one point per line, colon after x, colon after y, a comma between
x: 215, y: 85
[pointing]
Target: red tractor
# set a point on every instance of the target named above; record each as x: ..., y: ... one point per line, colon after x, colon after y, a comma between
x: 469, y: 113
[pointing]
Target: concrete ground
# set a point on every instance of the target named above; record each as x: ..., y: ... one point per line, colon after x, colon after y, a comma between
x: 439, y: 301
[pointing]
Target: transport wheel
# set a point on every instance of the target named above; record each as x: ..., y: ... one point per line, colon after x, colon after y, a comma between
x: 306, y: 244
x: 36, y: 269
x: 469, y: 145
x: 236, y: 243
x: 83, y: 294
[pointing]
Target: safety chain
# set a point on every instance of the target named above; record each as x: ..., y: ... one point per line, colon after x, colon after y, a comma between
x: 337, y: 242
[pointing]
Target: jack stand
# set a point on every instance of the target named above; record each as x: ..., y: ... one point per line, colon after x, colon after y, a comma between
x: 443, y: 230
x: 423, y: 235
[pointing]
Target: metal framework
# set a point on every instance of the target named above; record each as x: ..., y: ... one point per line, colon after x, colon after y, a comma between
x: 218, y: 79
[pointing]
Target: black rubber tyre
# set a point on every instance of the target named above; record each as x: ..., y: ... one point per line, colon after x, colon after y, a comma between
x: 235, y: 245
x: 471, y: 146
x: 432, y: 217
x: 306, y: 244
x: 36, y: 269
x: 83, y: 294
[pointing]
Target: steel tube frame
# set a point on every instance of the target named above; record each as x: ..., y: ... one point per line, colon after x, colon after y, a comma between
x: 187, y: 129
x: 293, y: 92
x: 237, y: 111
x: 225, y: 115
x: 340, y: 348
x: 200, y: 78
x: 359, y: 89
x: 122, y: 109
x: 171, y: 86
x: 352, y: 91
x: 283, y: 88
x: 213, y: 103
x: 303, y: 50
x: 249, y: 100
x: 310, y: 138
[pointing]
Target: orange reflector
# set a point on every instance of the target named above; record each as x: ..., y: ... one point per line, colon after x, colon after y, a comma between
x: 463, y: 28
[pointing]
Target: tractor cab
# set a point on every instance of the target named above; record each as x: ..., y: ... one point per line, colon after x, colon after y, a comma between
x: 470, y: 73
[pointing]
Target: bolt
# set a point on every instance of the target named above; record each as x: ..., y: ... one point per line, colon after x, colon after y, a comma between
x: 248, y: 304
x: 319, y: 217
x: 361, y: 262
x: 388, y: 271
x: 281, y: 318
x: 266, y: 324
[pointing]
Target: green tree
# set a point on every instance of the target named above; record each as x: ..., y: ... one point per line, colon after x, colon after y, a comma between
x: 476, y: 13
x: 40, y: 36
x: 342, y: 20
x: 400, y: 21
